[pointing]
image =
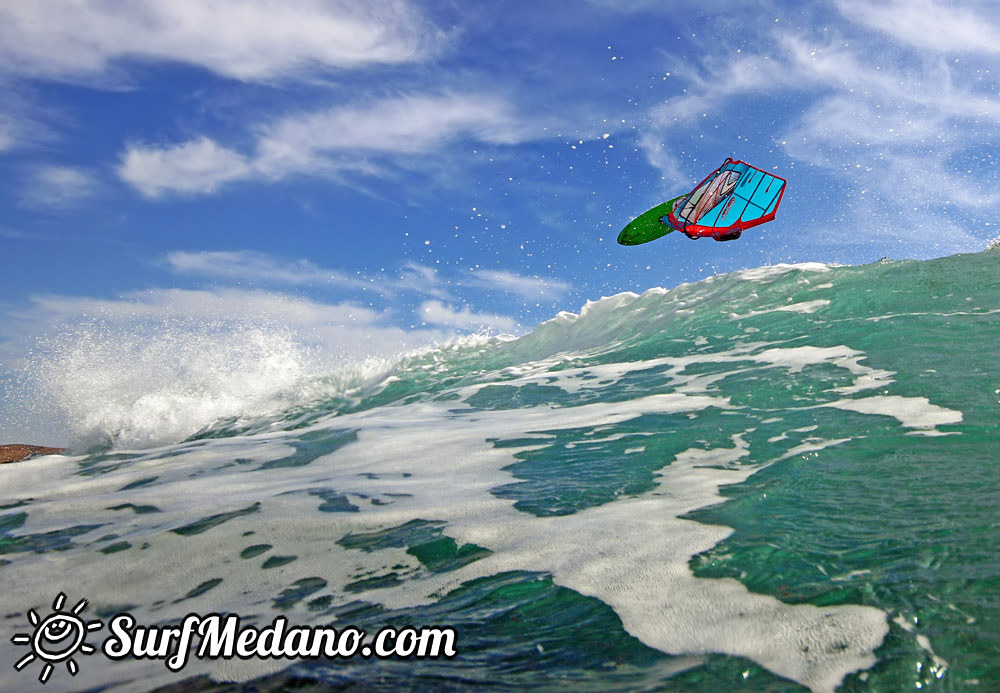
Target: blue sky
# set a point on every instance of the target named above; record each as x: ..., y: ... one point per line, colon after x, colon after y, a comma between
x: 382, y: 174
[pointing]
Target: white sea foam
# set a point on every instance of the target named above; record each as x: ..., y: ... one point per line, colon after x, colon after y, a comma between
x: 145, y: 383
x: 146, y: 388
x: 632, y: 553
x: 801, y: 307
x: 794, y: 359
x: 780, y: 269
x: 912, y: 412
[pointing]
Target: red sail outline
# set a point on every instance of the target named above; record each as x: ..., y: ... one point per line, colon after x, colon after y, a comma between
x: 700, y: 231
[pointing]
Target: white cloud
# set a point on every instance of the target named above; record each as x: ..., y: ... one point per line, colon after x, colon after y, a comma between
x: 200, y: 166
x: 407, y: 124
x: 246, y: 266
x: 660, y: 156
x: 250, y: 266
x: 22, y: 124
x: 18, y: 235
x: 437, y: 313
x: 674, y: 7
x: 57, y: 186
x: 930, y: 25
x: 6, y: 134
x: 828, y: 67
x: 243, y: 39
x: 528, y: 288
x: 338, y: 331
x: 889, y: 128
x: 420, y: 279
x: 341, y: 324
x: 207, y: 305
x: 325, y: 142
x: 717, y: 78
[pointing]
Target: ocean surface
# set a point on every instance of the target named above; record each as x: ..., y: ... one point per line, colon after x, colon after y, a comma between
x: 778, y: 479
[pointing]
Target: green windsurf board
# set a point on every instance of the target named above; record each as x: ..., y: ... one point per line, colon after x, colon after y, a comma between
x: 648, y: 227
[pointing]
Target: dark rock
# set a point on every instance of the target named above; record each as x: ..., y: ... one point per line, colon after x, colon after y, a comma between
x: 17, y: 453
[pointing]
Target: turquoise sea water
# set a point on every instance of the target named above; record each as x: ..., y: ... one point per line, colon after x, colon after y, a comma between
x: 773, y: 480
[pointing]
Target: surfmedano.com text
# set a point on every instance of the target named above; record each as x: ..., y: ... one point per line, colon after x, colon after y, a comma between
x: 222, y: 637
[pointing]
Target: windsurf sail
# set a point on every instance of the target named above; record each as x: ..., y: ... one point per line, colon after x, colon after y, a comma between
x: 734, y: 197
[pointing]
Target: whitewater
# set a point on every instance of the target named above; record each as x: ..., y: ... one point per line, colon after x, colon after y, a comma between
x: 775, y: 479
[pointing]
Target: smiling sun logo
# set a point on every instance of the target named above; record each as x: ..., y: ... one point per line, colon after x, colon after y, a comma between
x: 56, y: 638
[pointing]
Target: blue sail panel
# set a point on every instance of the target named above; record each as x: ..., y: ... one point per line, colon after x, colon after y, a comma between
x: 732, y: 211
x: 765, y: 194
